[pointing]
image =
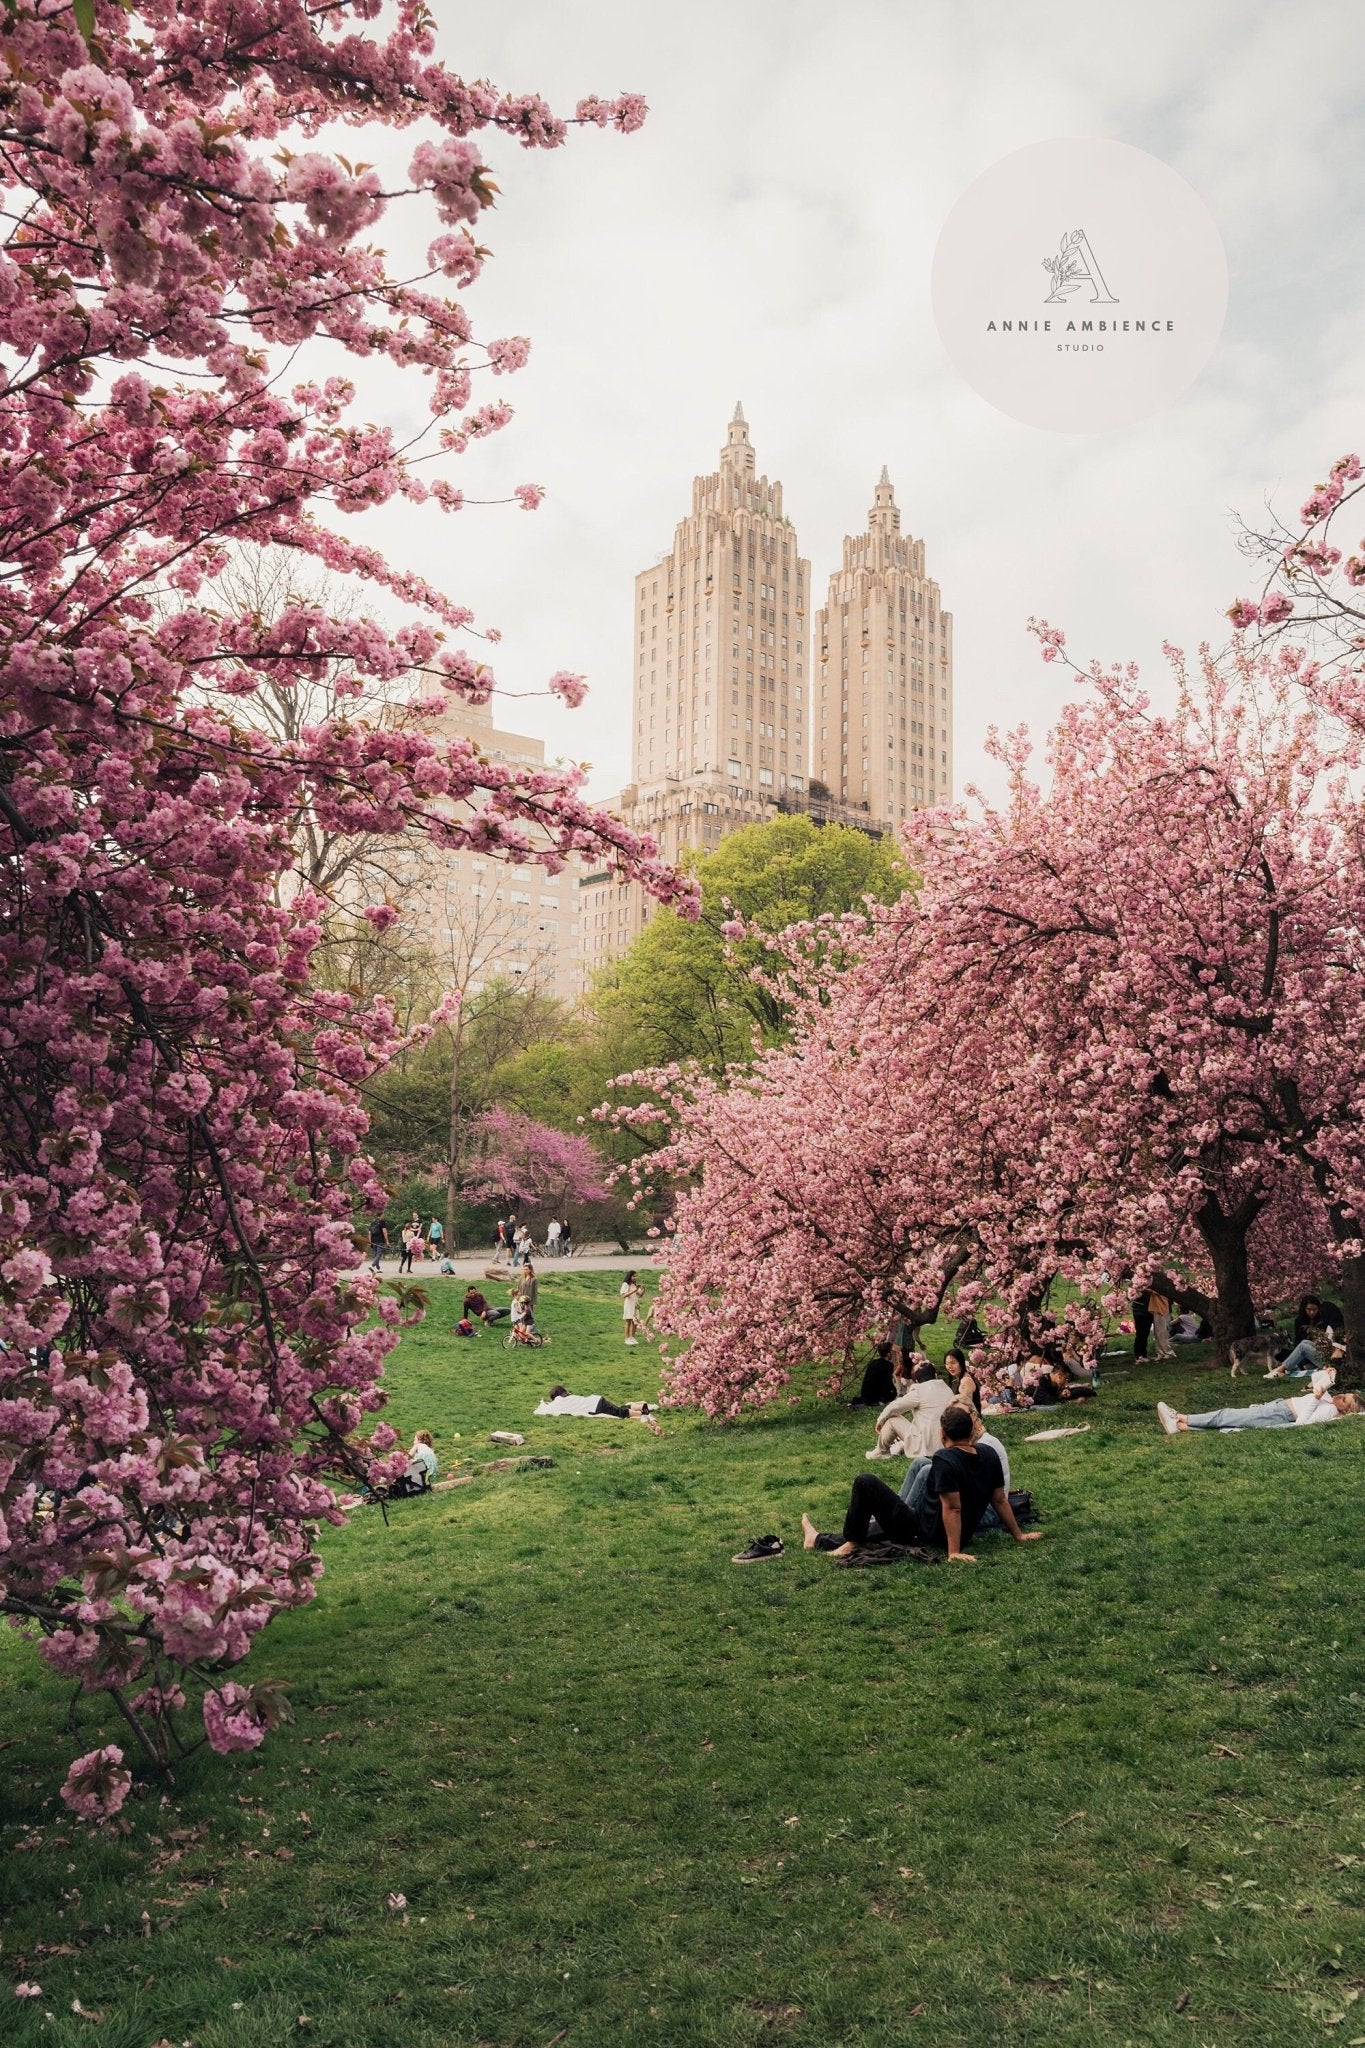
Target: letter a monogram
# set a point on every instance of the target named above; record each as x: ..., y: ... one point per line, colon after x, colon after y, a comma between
x: 1074, y: 267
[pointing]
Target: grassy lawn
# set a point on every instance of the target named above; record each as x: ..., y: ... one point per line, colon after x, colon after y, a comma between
x: 1103, y: 1790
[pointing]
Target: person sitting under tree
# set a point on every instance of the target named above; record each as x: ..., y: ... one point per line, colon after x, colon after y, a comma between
x: 1314, y: 1328
x: 908, y: 1425
x: 946, y: 1504
x: 879, y: 1380
x: 1057, y: 1385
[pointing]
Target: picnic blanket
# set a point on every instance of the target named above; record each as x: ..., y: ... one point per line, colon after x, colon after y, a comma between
x: 890, y: 1553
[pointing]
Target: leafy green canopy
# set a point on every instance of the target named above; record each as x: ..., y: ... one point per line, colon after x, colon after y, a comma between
x: 684, y: 992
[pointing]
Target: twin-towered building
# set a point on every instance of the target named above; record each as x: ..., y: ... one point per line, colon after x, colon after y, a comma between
x: 746, y: 702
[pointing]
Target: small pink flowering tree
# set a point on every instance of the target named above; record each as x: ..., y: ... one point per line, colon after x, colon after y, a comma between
x: 532, y: 1164
x: 186, y: 1355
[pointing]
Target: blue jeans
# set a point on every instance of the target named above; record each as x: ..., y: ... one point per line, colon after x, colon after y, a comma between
x: 915, y: 1484
x: 1265, y: 1415
x: 1303, y: 1355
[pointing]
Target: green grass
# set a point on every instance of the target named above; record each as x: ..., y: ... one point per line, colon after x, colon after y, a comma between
x: 1103, y: 1790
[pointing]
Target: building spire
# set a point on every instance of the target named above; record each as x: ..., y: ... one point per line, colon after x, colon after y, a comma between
x: 738, y: 450
x: 885, y: 514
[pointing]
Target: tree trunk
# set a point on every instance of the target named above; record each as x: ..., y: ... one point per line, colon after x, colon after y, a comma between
x: 454, y: 1137
x: 1351, y: 1372
x: 1233, y: 1311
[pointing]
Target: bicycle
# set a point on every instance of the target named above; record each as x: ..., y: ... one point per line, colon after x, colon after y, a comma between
x: 519, y: 1334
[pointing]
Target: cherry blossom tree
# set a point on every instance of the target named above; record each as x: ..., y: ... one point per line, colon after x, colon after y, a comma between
x: 1118, y: 1032
x: 186, y: 1355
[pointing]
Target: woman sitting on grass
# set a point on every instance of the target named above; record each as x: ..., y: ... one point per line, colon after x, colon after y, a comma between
x: 961, y: 1379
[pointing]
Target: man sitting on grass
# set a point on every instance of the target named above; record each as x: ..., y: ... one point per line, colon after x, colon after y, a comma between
x: 475, y: 1308
x: 946, y: 1504
x: 1292, y: 1413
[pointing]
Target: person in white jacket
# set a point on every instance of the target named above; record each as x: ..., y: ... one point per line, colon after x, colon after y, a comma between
x: 908, y: 1427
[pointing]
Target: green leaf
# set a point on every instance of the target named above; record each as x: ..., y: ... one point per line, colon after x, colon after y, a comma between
x: 84, y: 13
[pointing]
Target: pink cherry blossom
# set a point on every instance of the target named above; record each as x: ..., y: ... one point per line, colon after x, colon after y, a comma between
x: 96, y: 1784
x: 570, y: 688
x: 187, y: 1358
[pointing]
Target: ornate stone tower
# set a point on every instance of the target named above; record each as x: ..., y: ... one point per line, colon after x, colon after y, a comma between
x: 883, y: 674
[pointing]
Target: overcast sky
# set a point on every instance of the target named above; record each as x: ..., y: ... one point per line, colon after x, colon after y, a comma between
x: 768, y: 236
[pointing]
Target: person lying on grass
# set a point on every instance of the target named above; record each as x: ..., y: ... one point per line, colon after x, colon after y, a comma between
x: 1291, y: 1413
x: 1057, y: 1385
x: 559, y: 1401
x: 948, y: 1498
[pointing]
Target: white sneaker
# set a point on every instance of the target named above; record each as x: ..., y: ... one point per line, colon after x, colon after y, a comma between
x: 632, y: 1340
x: 1168, y: 1418
x: 876, y: 1453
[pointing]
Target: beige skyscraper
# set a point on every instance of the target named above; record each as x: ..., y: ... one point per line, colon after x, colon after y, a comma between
x: 721, y: 687
x: 883, y: 674
x: 721, y: 696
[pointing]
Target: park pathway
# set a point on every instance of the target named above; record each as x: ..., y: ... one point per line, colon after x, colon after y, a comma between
x: 471, y: 1266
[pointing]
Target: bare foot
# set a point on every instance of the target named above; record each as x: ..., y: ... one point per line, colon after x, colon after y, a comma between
x: 809, y: 1532
x: 844, y: 1550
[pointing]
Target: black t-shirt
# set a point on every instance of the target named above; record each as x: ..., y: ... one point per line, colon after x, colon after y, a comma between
x: 378, y: 1230
x: 973, y: 1475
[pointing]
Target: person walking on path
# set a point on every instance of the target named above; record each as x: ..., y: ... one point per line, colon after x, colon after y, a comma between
x: 566, y: 1239
x: 379, y: 1243
x: 630, y: 1306
x: 436, y: 1237
x: 552, y: 1238
x: 412, y: 1243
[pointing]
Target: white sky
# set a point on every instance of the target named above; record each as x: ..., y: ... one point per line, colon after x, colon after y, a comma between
x: 768, y: 236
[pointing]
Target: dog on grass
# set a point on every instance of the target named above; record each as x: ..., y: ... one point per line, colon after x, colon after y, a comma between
x: 1259, y: 1350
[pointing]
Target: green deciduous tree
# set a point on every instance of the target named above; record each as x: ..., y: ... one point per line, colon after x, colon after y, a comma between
x: 685, y: 992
